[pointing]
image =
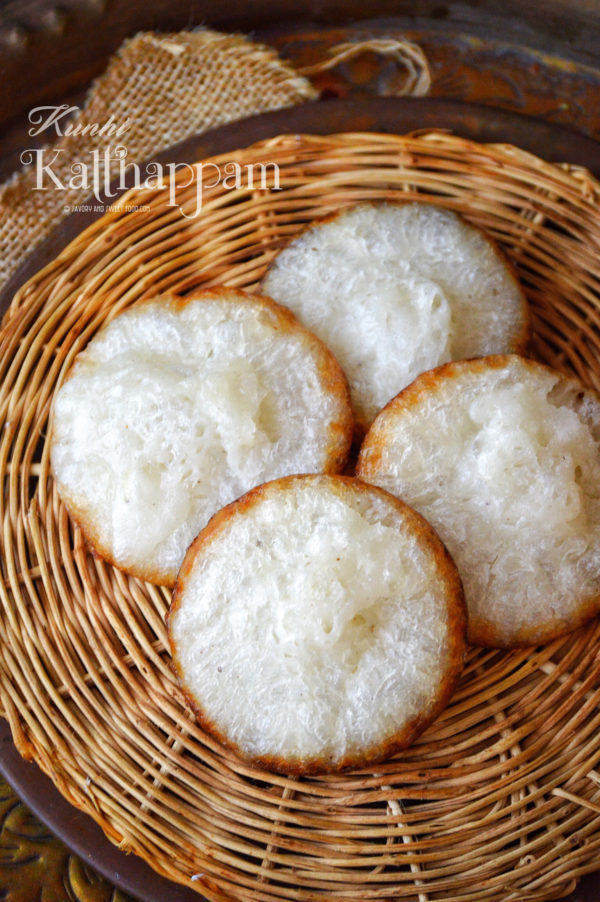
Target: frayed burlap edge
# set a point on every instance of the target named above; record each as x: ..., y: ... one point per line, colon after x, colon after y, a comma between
x: 164, y: 88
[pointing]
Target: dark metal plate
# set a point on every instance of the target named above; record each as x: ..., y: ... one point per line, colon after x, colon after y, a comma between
x: 392, y: 115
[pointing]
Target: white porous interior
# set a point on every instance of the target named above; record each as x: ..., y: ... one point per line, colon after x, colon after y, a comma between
x: 395, y: 290
x: 170, y: 413
x: 314, y: 625
x: 505, y: 464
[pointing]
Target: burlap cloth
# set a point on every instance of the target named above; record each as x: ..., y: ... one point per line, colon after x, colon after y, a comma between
x: 169, y: 87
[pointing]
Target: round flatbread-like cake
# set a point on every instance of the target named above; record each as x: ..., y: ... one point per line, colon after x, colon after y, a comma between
x: 179, y: 405
x: 317, y: 624
x: 502, y: 455
x: 395, y: 289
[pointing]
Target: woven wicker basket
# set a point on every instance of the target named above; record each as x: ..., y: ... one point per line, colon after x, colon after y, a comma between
x: 500, y: 799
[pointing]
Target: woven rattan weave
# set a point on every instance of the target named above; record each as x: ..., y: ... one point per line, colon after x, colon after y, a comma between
x: 500, y: 799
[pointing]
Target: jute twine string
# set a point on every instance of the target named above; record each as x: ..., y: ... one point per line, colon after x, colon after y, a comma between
x: 500, y: 798
x: 408, y: 54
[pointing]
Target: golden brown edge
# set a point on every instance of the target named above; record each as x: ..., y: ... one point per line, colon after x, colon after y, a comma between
x: 457, y: 618
x: 479, y: 631
x: 330, y: 372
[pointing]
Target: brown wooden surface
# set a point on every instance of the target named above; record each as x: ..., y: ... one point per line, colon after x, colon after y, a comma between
x: 59, y: 46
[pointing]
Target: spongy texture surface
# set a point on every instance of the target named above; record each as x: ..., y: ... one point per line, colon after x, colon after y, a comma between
x: 176, y: 408
x: 396, y: 289
x: 503, y: 458
x: 316, y: 623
